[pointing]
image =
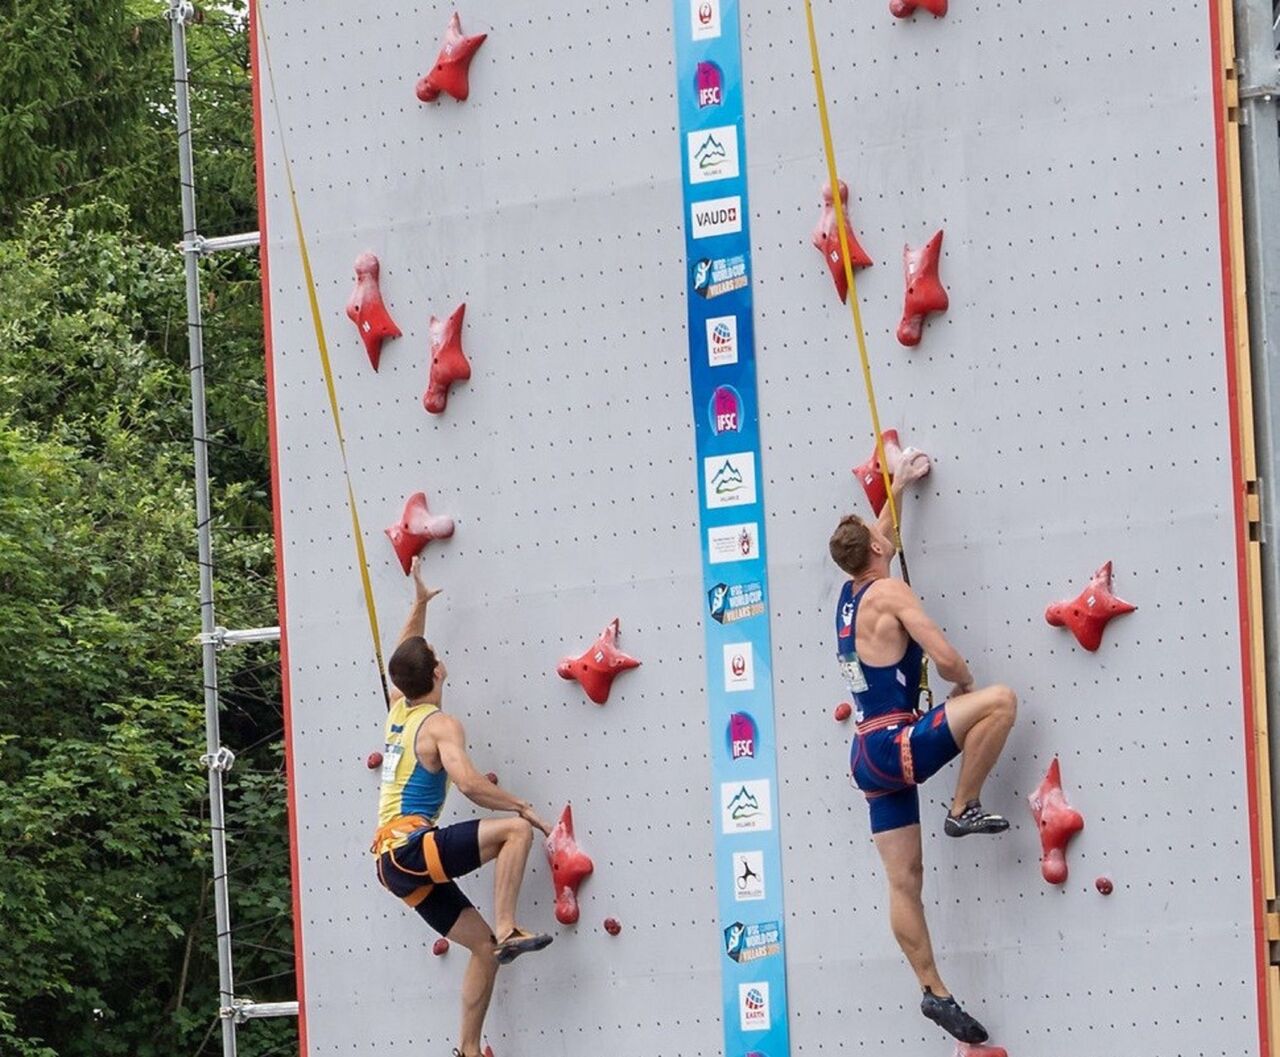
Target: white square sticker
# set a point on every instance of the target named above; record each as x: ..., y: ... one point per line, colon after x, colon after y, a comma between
x: 713, y: 154
x: 739, y: 667
x: 733, y: 543
x: 704, y: 17
x: 730, y: 479
x: 716, y: 216
x: 745, y: 807
x: 748, y: 876
x: 722, y: 340
x: 753, y: 1006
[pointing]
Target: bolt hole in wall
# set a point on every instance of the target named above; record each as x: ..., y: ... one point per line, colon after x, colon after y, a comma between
x: 1073, y: 400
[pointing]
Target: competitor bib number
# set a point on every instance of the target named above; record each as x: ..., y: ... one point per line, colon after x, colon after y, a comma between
x: 854, y: 677
x: 390, y: 761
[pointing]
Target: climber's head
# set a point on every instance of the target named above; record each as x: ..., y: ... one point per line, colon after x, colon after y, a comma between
x: 417, y: 672
x: 859, y: 547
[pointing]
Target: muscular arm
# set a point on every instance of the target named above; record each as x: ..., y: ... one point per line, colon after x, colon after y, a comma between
x: 416, y: 623
x: 451, y: 743
x: 903, y: 604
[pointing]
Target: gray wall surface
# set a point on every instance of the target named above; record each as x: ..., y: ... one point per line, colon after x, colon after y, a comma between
x: 1074, y: 400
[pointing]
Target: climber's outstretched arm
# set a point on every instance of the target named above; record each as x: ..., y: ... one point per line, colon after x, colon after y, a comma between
x: 416, y: 623
x: 912, y: 465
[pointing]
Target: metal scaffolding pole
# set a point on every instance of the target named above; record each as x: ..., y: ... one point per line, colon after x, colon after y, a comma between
x: 217, y: 759
x: 1260, y: 178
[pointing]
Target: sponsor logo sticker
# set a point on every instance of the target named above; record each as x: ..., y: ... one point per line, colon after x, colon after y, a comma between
x: 714, y: 276
x: 726, y: 410
x: 753, y: 1006
x: 730, y: 479
x: 733, y: 543
x: 750, y: 943
x: 748, y: 876
x: 713, y: 154
x: 704, y: 16
x: 742, y: 736
x: 739, y: 667
x: 722, y: 340
x: 708, y: 85
x: 746, y: 807
x: 729, y: 603
x: 716, y: 216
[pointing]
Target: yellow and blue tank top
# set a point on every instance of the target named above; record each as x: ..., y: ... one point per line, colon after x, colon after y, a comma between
x: 409, y: 790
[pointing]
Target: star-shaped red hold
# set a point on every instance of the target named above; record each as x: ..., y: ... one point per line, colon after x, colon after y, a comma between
x: 1057, y: 821
x: 925, y: 293
x: 907, y: 8
x: 448, y: 362
x: 366, y: 310
x: 1088, y: 613
x: 570, y: 866
x: 449, y: 74
x: 826, y: 237
x: 596, y: 669
x: 416, y: 528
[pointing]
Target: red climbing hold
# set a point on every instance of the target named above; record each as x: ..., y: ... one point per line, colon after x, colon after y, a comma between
x: 450, y: 71
x: 1058, y: 822
x: 488, y: 1051
x: 596, y: 668
x: 448, y: 363
x: 907, y: 8
x: 965, y: 1050
x: 869, y: 475
x: 493, y: 778
x: 826, y: 236
x: 374, y: 761
x: 1087, y: 614
x: 612, y: 926
x: 843, y: 711
x: 925, y: 293
x: 1104, y: 885
x: 416, y: 528
x: 366, y: 310
x: 569, y: 866
x: 440, y: 948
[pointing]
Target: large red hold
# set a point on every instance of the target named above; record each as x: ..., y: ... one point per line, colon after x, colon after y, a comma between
x: 982, y: 1050
x: 925, y: 293
x: 448, y: 362
x: 869, y: 473
x: 1089, y: 612
x: 1058, y: 822
x: 907, y: 8
x: 449, y: 74
x: 826, y: 237
x: 366, y: 310
x: 596, y: 669
x: 416, y: 528
x: 570, y: 865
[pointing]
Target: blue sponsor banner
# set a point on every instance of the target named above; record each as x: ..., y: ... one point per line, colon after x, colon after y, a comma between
x: 713, y: 159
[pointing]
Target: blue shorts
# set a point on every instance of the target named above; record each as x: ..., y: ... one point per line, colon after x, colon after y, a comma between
x: 421, y: 871
x: 888, y: 765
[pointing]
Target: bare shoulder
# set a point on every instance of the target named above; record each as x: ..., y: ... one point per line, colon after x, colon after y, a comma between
x: 891, y: 593
x: 442, y: 727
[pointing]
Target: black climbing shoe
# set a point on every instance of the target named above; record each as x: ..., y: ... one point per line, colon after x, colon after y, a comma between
x: 975, y: 819
x: 519, y: 942
x: 947, y: 1014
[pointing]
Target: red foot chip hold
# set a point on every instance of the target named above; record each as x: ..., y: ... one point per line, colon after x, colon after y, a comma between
x: 612, y: 926
x: 1089, y: 612
x: 440, y: 948
x: 374, y: 761
x: 569, y: 866
x: 488, y: 1051
x: 448, y: 362
x: 1104, y: 885
x: 596, y: 669
x: 826, y: 237
x: 843, y: 711
x: 416, y: 528
x: 965, y: 1050
x: 924, y: 289
x: 493, y: 778
x: 366, y: 310
x: 452, y: 65
x: 1058, y: 822
x: 907, y: 8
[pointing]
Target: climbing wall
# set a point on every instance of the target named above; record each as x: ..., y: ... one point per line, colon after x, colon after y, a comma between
x: 1075, y: 399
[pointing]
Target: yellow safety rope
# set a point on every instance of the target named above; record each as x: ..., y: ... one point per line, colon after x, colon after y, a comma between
x: 833, y: 178
x: 322, y: 345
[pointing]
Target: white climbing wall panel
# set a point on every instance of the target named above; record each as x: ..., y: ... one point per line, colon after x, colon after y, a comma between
x: 1075, y: 399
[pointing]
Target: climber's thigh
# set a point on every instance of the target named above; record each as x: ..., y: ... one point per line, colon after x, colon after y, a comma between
x: 495, y: 833
x: 459, y: 848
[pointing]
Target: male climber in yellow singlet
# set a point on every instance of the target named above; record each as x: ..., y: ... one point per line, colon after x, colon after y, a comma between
x: 882, y: 637
x: 425, y: 753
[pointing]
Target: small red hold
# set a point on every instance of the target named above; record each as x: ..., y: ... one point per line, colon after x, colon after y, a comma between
x: 1104, y: 885
x: 1088, y: 613
x: 596, y: 668
x: 449, y: 74
x: 488, y: 1051
x: 493, y: 778
x: 612, y: 926
x: 416, y: 528
x: 966, y: 1050
x: 907, y: 8
x: 448, y: 362
x: 925, y: 293
x: 374, y: 761
x: 366, y: 310
x: 569, y: 866
x: 440, y: 948
x: 1058, y: 822
x: 843, y: 711
x: 826, y: 237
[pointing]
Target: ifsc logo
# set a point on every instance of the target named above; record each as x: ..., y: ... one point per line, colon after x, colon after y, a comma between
x: 708, y: 83
x: 742, y: 735
x: 726, y: 410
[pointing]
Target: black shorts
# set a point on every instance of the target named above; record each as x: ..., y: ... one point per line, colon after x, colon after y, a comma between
x: 422, y: 870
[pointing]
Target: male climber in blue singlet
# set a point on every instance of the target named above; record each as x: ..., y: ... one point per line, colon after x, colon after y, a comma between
x: 882, y: 637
